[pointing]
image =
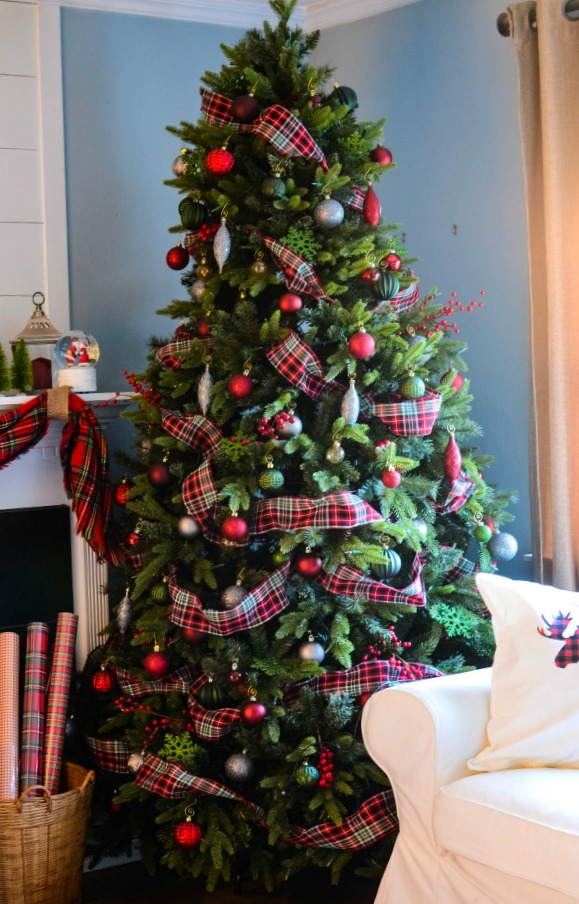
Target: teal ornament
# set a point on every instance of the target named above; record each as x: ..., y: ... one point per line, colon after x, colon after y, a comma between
x: 503, y: 546
x: 386, y: 286
x: 273, y: 187
x: 272, y: 479
x: 390, y: 565
x: 306, y: 775
x: 344, y: 96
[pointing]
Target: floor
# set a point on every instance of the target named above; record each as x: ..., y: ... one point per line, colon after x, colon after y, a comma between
x: 131, y: 884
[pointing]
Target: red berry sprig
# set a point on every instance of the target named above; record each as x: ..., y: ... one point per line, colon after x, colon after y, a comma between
x: 326, y: 768
x: 208, y: 231
x: 268, y: 426
x: 398, y: 646
x: 438, y: 321
x: 144, y: 389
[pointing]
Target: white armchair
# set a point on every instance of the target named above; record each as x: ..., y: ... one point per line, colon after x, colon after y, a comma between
x: 509, y: 837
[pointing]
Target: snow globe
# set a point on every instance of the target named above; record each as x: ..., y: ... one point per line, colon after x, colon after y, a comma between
x: 76, y: 356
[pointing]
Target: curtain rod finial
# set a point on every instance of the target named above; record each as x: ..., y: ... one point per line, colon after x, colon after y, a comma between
x: 503, y: 25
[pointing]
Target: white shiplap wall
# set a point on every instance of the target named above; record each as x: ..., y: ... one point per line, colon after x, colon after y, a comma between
x: 33, y: 239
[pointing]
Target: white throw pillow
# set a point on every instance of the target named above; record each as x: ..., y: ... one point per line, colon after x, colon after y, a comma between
x: 534, y: 710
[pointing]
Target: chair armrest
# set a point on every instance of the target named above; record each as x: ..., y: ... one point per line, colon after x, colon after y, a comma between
x: 422, y: 733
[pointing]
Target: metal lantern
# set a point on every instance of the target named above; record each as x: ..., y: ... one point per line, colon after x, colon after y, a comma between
x: 40, y: 338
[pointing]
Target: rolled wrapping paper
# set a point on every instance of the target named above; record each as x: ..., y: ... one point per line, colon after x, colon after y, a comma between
x: 34, y: 705
x: 9, y: 665
x: 57, y: 702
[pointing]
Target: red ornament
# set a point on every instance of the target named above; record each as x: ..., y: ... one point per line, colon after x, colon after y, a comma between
x: 191, y: 635
x: 134, y: 538
x: 182, y: 332
x: 381, y: 155
x: 177, y: 257
x: 122, y: 492
x: 371, y: 208
x: 103, y: 681
x: 392, y: 261
x: 252, y: 712
x: 115, y: 806
x: 363, y: 698
x: 158, y: 475
x: 240, y: 386
x: 452, y: 458
x: 371, y: 274
x: 156, y: 663
x: 188, y: 834
x: 245, y: 108
x: 391, y: 478
x: 456, y: 383
x: 234, y: 528
x: 309, y: 565
x: 362, y: 345
x: 289, y: 303
x: 219, y: 162
x: 202, y: 329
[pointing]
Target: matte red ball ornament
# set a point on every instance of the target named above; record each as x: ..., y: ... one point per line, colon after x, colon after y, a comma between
x: 289, y: 303
x: 245, y: 108
x: 371, y: 274
x: 391, y: 478
x: 381, y: 155
x: 392, y: 261
x: 240, y: 386
x: 156, y: 663
x: 456, y: 383
x: 103, y: 681
x: 192, y: 636
x: 202, y: 329
x: 234, y: 528
x: 309, y: 565
x: 158, y: 475
x: 219, y: 162
x: 177, y: 257
x: 371, y: 209
x: 362, y: 345
x: 252, y: 712
x: 188, y: 834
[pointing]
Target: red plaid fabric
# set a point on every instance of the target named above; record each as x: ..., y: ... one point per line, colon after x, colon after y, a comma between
x: 413, y: 417
x: 464, y: 568
x: 341, y: 511
x: 298, y: 273
x: 171, y: 355
x: 22, y: 428
x: 171, y: 781
x: 404, y: 300
x: 356, y: 199
x: 294, y: 359
x: 276, y: 125
x: 197, y: 431
x: 212, y: 724
x: 180, y: 680
x: 344, y: 580
x: 458, y: 495
x: 364, y: 678
x: 110, y: 754
x: 261, y: 604
x: 60, y: 678
x: 33, y: 705
x: 200, y: 494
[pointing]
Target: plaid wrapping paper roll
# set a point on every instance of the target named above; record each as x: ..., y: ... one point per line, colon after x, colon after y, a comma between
x: 9, y: 669
x: 57, y: 703
x: 34, y: 705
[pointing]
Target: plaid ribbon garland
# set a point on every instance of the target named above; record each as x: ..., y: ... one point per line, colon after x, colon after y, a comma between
x: 200, y: 433
x: 356, y: 199
x: 200, y: 494
x: 21, y: 428
x: 298, y: 273
x: 171, y: 355
x: 403, y: 301
x: 212, y: 724
x: 344, y: 580
x: 464, y: 568
x: 110, y: 754
x: 360, y: 679
x: 341, y: 511
x: 277, y: 125
x: 180, y: 680
x: 458, y: 495
x: 299, y: 365
x: 260, y: 605
x: 412, y: 417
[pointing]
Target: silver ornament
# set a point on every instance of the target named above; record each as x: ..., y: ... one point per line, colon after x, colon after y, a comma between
x: 197, y: 288
x: 419, y: 340
x: 258, y: 267
x: 503, y: 546
x: 124, y: 613
x: 328, y: 214
x: 204, y: 391
x: 179, y: 165
x: 135, y: 761
x: 312, y: 651
x: 222, y: 244
x: 239, y: 767
x: 335, y: 453
x: 350, y: 408
x: 421, y: 526
x: 292, y: 427
x: 188, y: 527
x: 232, y: 596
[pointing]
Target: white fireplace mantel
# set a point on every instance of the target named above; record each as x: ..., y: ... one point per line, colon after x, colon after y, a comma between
x: 35, y: 480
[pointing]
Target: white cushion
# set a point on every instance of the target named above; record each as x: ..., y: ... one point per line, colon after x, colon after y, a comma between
x: 534, y: 708
x: 522, y: 822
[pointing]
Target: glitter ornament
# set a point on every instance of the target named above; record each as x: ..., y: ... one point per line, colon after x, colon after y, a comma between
x: 392, y: 261
x: 196, y: 289
x: 289, y: 303
x: 188, y: 834
x: 234, y: 528
x: 135, y: 761
x: 103, y: 681
x: 188, y: 527
x: 252, y: 712
x: 452, y: 456
x: 124, y: 613
x: 288, y: 425
x: 381, y: 155
x: 361, y: 345
x: 391, y: 478
x: 156, y: 663
x: 309, y: 565
x: 240, y: 386
x: 239, y: 767
x: 122, y: 492
x: 222, y: 245
x: 350, y: 407
x: 328, y: 214
x: 371, y: 208
x: 503, y: 546
x: 306, y: 775
x: 177, y: 257
x: 219, y: 162
x: 312, y: 651
x: 233, y: 595
x: 412, y: 387
x: 204, y: 388
x: 335, y: 453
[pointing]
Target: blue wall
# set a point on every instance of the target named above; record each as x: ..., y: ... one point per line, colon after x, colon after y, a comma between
x: 447, y: 83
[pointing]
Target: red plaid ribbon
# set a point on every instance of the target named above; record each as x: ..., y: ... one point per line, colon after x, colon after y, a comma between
x: 299, y: 365
x: 200, y: 497
x: 343, y: 580
x: 375, y: 819
x: 404, y: 300
x: 299, y: 274
x: 464, y: 568
x: 171, y: 355
x: 341, y: 510
x: 110, y: 754
x: 364, y: 678
x: 212, y: 724
x: 412, y: 417
x: 260, y: 605
x: 276, y: 125
x: 180, y: 680
x: 356, y: 199
x: 458, y: 495
x: 197, y: 431
x: 21, y: 428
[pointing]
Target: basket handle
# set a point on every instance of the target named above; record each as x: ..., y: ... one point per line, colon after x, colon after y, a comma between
x: 88, y: 780
x: 26, y: 792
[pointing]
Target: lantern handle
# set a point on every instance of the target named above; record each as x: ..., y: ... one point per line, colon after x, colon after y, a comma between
x: 38, y: 304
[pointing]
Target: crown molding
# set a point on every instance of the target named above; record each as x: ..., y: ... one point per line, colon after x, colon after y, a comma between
x: 309, y: 14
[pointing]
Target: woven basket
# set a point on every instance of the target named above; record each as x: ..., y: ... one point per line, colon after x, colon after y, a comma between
x: 42, y: 842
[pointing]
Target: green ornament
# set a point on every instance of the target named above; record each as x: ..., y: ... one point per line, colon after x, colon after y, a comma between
x: 412, y: 387
x: 159, y: 593
x: 389, y: 566
x: 279, y: 558
x: 192, y: 213
x: 306, y: 775
x: 210, y: 695
x: 272, y: 479
x: 273, y: 187
x: 386, y: 286
x: 482, y: 533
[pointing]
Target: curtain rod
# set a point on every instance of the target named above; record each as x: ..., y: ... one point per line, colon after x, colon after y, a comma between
x: 570, y: 11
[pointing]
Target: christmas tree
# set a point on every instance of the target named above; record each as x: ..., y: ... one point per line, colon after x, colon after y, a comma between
x: 21, y: 367
x: 307, y: 509
x: 5, y: 379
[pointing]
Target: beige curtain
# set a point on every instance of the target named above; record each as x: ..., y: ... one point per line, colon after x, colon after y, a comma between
x: 548, y: 63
